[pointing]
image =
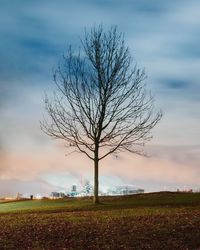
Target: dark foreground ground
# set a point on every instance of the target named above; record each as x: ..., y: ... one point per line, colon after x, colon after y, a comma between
x: 149, y: 221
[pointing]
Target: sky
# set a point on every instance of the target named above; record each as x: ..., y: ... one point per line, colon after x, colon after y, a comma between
x: 163, y: 37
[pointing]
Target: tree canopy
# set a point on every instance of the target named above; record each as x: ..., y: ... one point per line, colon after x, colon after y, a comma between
x: 102, y: 105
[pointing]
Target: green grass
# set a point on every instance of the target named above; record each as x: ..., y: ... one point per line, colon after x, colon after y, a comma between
x: 145, y: 221
x: 107, y: 203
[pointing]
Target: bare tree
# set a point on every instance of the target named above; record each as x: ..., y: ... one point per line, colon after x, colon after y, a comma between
x: 101, y: 106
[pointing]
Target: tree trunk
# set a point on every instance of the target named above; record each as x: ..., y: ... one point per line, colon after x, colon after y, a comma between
x: 96, y: 179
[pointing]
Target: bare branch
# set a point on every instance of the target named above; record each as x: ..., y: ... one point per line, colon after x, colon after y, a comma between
x: 102, y: 105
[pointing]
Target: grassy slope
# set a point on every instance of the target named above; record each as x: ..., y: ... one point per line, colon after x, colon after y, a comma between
x: 81, y: 204
x: 147, y: 221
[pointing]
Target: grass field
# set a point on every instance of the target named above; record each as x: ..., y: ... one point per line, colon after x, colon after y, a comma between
x: 146, y: 221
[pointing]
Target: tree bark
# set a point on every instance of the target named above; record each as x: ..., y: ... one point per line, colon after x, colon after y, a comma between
x: 96, y: 178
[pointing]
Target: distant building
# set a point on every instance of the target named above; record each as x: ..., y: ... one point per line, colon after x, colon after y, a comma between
x: 19, y: 196
x: 185, y: 190
x: 57, y: 195
x: 126, y: 190
x: 74, y: 188
x: 73, y: 192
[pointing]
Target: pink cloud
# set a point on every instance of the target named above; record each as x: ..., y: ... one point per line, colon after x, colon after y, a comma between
x: 161, y: 167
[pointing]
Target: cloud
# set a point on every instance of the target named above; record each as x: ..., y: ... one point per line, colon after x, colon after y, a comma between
x: 30, y: 163
x: 176, y: 83
x: 171, y: 167
x: 174, y: 167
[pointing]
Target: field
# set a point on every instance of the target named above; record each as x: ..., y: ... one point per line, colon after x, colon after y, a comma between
x: 144, y: 221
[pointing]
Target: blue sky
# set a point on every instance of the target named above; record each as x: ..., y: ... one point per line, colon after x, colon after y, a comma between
x: 163, y: 37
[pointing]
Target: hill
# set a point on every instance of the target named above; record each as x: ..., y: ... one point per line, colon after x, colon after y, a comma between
x: 144, y: 221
